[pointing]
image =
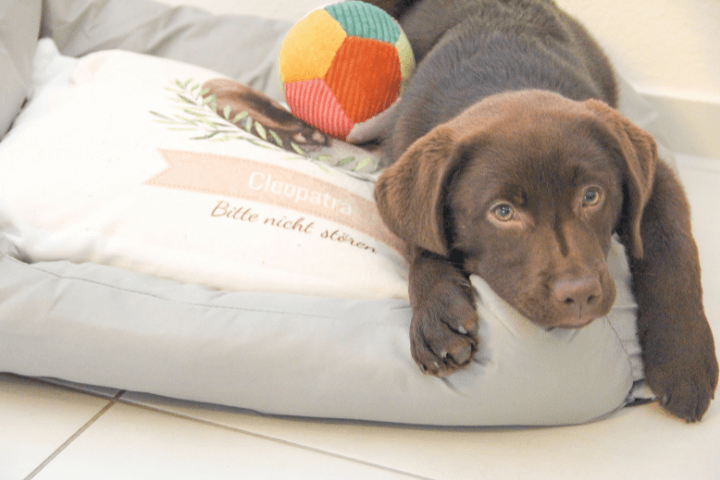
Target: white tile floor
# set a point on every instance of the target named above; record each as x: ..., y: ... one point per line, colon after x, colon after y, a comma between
x: 51, y: 430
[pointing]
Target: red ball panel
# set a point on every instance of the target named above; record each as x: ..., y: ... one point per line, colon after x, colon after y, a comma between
x: 313, y: 102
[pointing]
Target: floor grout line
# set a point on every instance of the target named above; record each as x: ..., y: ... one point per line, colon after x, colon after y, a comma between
x: 117, y: 398
x: 63, y: 386
x: 269, y: 438
x: 77, y: 388
x: 74, y: 436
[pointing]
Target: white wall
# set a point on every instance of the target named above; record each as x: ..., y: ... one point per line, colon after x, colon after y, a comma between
x: 669, y: 47
x: 669, y: 50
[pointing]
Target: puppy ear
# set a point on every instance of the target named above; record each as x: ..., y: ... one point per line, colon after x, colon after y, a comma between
x: 411, y: 193
x: 640, y: 157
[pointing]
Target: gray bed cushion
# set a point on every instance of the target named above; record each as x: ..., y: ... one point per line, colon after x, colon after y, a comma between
x: 19, y: 25
x: 243, y: 48
x: 297, y: 355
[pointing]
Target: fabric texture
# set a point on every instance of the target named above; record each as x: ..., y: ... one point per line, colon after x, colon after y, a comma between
x: 243, y: 48
x: 19, y: 26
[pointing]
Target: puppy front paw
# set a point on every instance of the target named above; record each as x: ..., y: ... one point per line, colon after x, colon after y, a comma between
x: 443, y: 333
x: 684, y: 383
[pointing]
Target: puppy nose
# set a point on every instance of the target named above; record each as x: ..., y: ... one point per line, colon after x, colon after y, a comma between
x: 577, y: 295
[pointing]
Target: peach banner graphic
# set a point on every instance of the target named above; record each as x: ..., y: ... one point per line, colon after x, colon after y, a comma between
x: 271, y: 185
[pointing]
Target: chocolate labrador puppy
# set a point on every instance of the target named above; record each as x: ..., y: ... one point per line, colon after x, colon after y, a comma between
x: 510, y: 162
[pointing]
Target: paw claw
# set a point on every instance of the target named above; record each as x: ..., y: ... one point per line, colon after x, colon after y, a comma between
x: 443, y: 331
x: 686, y: 396
x: 440, y: 350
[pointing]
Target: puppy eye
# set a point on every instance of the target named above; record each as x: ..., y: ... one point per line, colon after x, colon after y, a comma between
x: 591, y: 197
x: 504, y: 212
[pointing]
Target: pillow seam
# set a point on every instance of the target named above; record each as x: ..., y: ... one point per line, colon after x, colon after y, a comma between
x: 158, y: 297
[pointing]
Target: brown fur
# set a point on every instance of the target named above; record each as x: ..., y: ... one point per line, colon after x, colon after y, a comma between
x: 510, y: 163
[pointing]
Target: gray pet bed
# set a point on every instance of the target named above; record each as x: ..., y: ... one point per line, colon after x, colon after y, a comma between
x: 83, y: 307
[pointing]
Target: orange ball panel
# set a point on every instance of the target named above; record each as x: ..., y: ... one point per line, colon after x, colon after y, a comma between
x: 365, y: 77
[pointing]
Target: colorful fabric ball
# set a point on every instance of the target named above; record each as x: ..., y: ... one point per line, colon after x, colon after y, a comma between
x: 343, y: 67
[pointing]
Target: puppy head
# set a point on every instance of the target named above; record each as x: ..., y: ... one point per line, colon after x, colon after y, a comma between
x: 527, y: 189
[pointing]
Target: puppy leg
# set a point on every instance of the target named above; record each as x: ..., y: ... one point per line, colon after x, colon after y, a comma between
x: 678, y: 349
x: 443, y: 333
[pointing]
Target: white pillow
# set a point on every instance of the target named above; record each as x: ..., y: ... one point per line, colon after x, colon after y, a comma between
x: 113, y: 172
x: 88, y: 174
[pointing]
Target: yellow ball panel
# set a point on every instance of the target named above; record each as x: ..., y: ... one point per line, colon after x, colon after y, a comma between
x: 309, y: 48
x: 407, y: 60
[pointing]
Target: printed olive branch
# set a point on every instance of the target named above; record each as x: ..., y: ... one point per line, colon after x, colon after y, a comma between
x: 200, y: 114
